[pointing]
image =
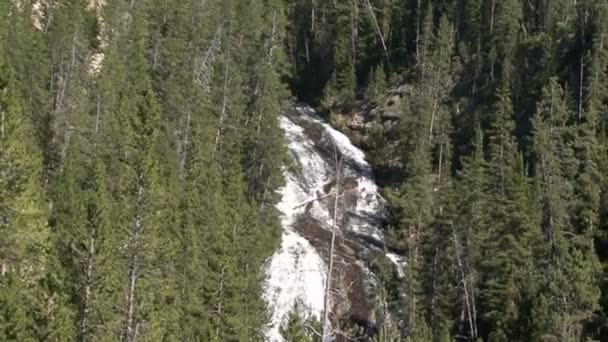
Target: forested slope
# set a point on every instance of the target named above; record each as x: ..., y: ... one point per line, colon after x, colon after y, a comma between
x: 499, y: 148
x: 140, y: 151
x: 139, y: 154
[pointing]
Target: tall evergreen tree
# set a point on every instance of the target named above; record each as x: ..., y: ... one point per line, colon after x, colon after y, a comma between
x: 469, y: 234
x: 343, y: 82
x: 31, y: 309
x: 507, y: 253
x: 416, y: 213
x: 568, y: 260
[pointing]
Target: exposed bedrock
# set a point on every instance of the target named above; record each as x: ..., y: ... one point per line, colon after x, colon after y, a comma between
x: 325, y: 163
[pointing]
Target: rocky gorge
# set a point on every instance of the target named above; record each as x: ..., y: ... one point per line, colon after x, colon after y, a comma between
x: 330, y: 188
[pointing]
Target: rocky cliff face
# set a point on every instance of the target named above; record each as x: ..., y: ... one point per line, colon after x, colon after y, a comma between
x: 326, y: 163
x: 359, y: 121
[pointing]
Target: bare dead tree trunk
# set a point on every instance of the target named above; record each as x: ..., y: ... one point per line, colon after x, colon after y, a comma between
x: 434, y: 110
x: 328, y: 282
x: 440, y: 170
x: 312, y: 18
x: 418, y: 23
x: 435, y: 91
x: 272, y: 38
x: 306, y: 49
x: 203, y: 66
x: 492, y: 10
x: 155, y: 54
x: 61, y: 98
x: 502, y: 162
x: 218, y: 134
x: 133, y: 274
x: 469, y: 300
x: 411, y: 264
x: 271, y: 47
x: 582, y: 66
x: 434, y: 281
x: 380, y: 35
x: 184, y: 145
x: 580, y: 88
x: 129, y: 331
x: 97, y: 116
x: 353, y: 31
x: 91, y: 251
x: 83, y: 326
x: 478, y: 67
x: 265, y: 194
x: 440, y: 167
x: 2, y: 123
x: 220, y: 303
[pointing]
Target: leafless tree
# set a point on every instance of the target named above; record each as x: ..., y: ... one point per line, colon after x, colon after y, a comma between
x: 379, y: 31
x: 326, y: 336
x: 129, y: 332
x: 469, y: 299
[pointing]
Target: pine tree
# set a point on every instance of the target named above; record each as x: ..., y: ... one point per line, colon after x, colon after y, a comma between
x: 295, y: 329
x: 502, y: 29
x: 415, y: 203
x: 570, y: 263
x: 343, y: 83
x: 502, y: 145
x: 309, y: 44
x: 593, y: 199
x: 31, y: 310
x: 264, y: 136
x: 87, y: 247
x: 470, y: 43
x: 141, y: 180
x: 68, y: 58
x: 26, y: 52
x: 470, y: 232
x: 376, y: 84
x: 435, y: 271
x: 506, y: 260
x: 22, y: 202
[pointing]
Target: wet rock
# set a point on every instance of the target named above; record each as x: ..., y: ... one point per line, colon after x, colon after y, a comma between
x: 358, y: 118
x: 308, y: 210
x: 349, y: 183
x: 392, y: 108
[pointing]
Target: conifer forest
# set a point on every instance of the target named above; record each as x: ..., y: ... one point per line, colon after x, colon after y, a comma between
x: 436, y: 170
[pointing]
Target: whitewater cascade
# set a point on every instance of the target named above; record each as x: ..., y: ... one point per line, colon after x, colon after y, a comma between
x: 297, y: 271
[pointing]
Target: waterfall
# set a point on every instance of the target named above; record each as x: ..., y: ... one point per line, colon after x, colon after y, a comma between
x: 297, y: 271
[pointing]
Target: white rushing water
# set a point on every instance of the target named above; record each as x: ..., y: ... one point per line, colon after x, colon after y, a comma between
x: 296, y: 273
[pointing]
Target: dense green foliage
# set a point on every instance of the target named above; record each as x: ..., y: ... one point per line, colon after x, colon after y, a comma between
x: 140, y: 151
x: 137, y: 194
x: 500, y: 148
